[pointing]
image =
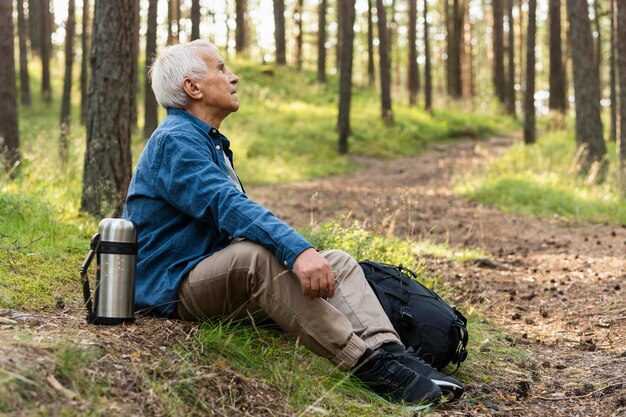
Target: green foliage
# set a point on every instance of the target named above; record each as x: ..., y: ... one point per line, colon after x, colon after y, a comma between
x: 539, y: 180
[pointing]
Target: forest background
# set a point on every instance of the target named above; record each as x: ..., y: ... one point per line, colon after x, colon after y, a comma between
x: 324, y: 86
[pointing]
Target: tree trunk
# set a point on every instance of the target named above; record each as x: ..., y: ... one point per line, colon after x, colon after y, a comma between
x: 321, y: 42
x: 297, y: 17
x: 345, y: 77
x: 195, y: 19
x: 371, y: 73
x: 613, y: 75
x: 151, y: 116
x: 620, y: 7
x: 597, y: 49
x: 498, y: 51
x: 241, y: 43
x: 586, y: 87
x: 173, y: 22
x: 279, y: 31
x: 24, y: 77
x: 70, y: 29
x: 428, y: 78
x: 557, y: 100
x: 510, y: 95
x: 520, y: 10
x: 385, y: 65
x: 412, y: 70
x: 107, y: 168
x: 338, y: 49
x: 34, y: 25
x: 457, y: 47
x: 85, y: 44
x: 44, y: 44
x: 466, y: 68
x: 9, y: 133
x: 529, y: 98
x: 135, y: 69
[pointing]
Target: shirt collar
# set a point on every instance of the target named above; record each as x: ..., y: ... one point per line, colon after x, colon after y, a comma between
x: 206, y: 128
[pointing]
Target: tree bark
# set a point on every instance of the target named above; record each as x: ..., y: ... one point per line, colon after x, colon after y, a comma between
x: 107, y: 168
x: 195, y: 19
x: 557, y: 100
x: 498, y: 51
x: 297, y: 17
x: 428, y: 78
x: 385, y: 64
x: 321, y: 42
x: 279, y: 31
x: 85, y: 43
x: 510, y: 95
x: 597, y: 49
x: 586, y: 87
x: 9, y: 133
x: 457, y: 47
x: 34, y: 25
x: 620, y: 7
x: 24, y: 76
x: 371, y: 72
x: 613, y: 75
x: 529, y: 98
x: 135, y: 70
x: 345, y: 76
x: 151, y: 117
x: 173, y: 22
x: 44, y: 44
x: 413, y: 78
x: 70, y: 29
x: 241, y: 43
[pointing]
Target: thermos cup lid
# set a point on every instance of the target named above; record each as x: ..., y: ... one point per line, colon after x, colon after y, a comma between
x: 117, y: 230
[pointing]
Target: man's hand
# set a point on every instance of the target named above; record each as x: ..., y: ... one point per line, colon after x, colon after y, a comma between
x: 316, y: 276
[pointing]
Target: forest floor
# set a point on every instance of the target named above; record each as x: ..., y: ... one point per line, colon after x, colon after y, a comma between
x: 555, y: 285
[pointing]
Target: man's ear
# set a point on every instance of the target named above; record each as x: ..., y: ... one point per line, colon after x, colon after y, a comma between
x: 191, y: 88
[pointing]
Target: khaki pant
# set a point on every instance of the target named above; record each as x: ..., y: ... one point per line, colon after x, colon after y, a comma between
x: 245, y: 278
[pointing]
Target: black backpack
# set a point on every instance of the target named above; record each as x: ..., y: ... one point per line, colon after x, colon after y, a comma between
x: 436, y: 331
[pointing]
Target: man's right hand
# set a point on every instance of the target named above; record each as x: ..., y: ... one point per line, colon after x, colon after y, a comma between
x: 316, y: 275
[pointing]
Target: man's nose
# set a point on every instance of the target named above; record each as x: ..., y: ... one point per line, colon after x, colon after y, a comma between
x: 234, y: 79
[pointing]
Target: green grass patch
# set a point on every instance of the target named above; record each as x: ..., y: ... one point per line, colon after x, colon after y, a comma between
x: 538, y: 180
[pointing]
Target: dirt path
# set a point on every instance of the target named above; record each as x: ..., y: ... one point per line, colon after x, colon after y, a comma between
x: 556, y: 286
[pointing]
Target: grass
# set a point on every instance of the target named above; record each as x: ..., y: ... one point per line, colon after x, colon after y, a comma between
x: 539, y: 180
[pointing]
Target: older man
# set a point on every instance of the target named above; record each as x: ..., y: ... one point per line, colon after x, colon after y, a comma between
x: 206, y: 249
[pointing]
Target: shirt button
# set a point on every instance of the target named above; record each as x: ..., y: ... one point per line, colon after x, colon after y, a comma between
x: 213, y: 131
x: 217, y: 147
x: 285, y: 262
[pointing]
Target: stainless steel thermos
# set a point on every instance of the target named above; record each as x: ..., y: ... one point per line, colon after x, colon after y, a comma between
x: 115, y: 249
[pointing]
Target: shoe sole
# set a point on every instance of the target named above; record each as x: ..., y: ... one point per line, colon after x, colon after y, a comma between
x: 450, y: 390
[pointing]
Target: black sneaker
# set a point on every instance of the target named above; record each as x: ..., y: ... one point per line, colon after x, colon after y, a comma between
x: 451, y: 387
x: 386, y: 376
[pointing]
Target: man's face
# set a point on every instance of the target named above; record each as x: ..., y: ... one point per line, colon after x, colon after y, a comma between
x: 218, y: 87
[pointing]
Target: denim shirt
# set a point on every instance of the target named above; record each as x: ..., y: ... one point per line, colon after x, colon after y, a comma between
x: 186, y: 208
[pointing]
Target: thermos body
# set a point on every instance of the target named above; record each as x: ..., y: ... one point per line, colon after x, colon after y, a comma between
x: 115, y: 248
x: 115, y: 277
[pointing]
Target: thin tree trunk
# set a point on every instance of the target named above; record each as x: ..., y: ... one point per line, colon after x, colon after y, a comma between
x: 449, y: 47
x: 297, y: 17
x: 620, y: 7
x: 70, y: 29
x: 557, y: 100
x: 598, y: 46
x: 510, y: 96
x: 522, y: 75
x: 24, y: 77
x: 457, y: 22
x: 371, y: 73
x: 428, y: 78
x: 135, y: 70
x: 107, y: 168
x: 586, y: 88
x: 9, y: 133
x: 34, y: 25
x: 338, y: 49
x: 279, y: 31
x: 241, y: 43
x: 529, y: 100
x: 195, y: 19
x: 385, y: 65
x: 85, y: 44
x: 613, y: 75
x: 44, y: 43
x: 412, y: 70
x: 345, y: 77
x: 466, y: 68
x: 173, y: 22
x: 498, y: 51
x: 151, y: 117
x: 321, y: 42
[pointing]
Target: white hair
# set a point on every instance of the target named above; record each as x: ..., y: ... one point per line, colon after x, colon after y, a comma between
x: 171, y: 66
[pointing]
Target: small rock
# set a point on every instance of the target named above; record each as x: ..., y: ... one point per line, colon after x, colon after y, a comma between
x: 6, y: 321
